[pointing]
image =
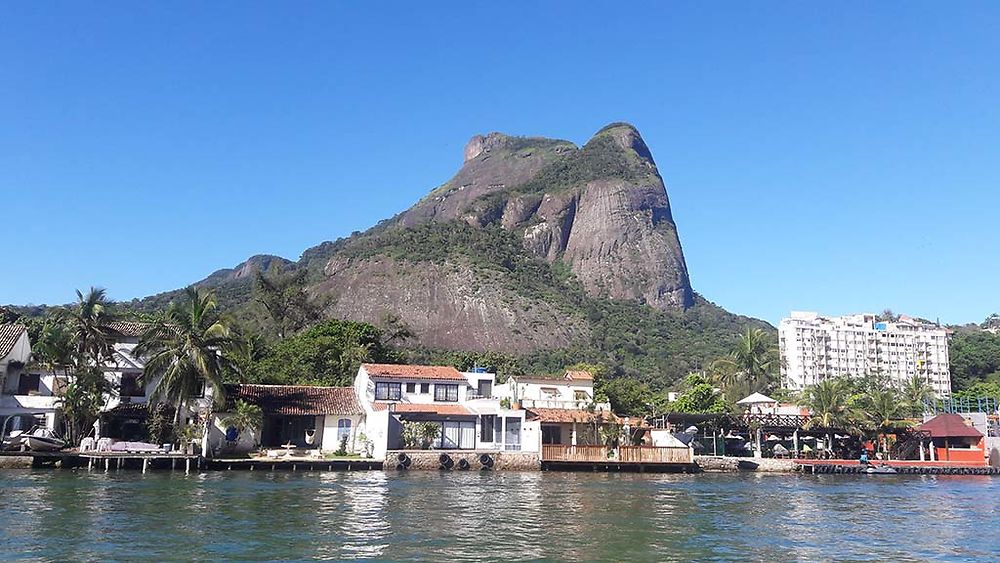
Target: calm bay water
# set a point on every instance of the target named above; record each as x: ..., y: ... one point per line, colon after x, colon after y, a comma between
x: 60, y: 515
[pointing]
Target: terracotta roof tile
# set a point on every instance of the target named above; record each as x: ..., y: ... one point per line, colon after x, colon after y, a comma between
x: 429, y: 408
x: 949, y: 426
x: 9, y: 333
x: 571, y: 415
x: 296, y: 400
x: 413, y: 372
x: 128, y: 328
x: 578, y: 375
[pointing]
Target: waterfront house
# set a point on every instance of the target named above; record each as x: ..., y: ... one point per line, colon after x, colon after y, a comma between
x: 25, y: 389
x: 952, y: 439
x: 464, y: 407
x: 294, y: 417
x: 125, y: 411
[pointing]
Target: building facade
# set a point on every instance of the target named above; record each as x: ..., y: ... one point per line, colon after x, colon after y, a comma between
x: 815, y: 347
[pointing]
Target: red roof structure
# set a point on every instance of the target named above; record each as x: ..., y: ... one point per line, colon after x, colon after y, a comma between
x: 447, y: 373
x: 296, y: 400
x: 949, y: 426
x: 424, y: 408
x: 9, y: 334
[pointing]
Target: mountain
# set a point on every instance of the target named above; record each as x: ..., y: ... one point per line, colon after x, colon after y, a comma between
x: 536, y: 248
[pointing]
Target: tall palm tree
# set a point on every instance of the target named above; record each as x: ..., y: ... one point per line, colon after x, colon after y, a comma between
x: 829, y: 406
x: 184, y: 350
x: 915, y: 393
x: 883, y: 411
x: 753, y: 362
x: 89, y: 324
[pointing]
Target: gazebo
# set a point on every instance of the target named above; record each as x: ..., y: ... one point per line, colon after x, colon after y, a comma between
x: 758, y: 403
x: 953, y: 439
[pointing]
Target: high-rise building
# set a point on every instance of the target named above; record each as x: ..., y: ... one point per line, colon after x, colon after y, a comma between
x: 814, y: 348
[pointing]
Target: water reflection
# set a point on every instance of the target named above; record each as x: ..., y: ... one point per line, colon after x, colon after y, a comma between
x: 466, y: 516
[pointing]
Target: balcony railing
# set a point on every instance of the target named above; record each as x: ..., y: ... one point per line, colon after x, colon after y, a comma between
x: 563, y: 404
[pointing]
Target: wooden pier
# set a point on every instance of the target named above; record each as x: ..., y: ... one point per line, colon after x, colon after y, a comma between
x: 638, y: 459
x: 293, y: 464
x: 902, y: 467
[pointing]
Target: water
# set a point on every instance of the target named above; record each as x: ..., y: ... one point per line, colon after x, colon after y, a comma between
x: 458, y: 516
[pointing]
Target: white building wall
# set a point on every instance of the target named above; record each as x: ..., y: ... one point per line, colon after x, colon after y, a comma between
x: 814, y: 348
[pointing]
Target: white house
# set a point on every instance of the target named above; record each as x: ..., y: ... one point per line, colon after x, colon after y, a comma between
x: 559, y: 409
x: 463, y: 405
x: 25, y: 389
x: 306, y: 417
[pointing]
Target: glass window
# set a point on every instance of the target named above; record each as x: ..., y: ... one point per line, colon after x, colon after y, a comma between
x: 425, y: 388
x: 29, y: 384
x: 485, y: 388
x: 582, y: 395
x: 445, y: 392
x: 343, y: 429
x: 130, y: 386
x: 385, y: 391
x: 487, y: 427
x: 411, y: 387
x: 513, y: 433
x: 551, y: 435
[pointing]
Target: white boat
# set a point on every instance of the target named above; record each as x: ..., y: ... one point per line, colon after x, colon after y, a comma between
x: 42, y: 440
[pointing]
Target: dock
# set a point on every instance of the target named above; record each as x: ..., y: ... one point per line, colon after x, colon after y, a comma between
x: 902, y: 467
x: 293, y: 464
x: 636, y: 459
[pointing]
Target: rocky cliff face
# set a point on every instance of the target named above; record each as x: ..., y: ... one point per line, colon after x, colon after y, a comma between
x: 601, y: 209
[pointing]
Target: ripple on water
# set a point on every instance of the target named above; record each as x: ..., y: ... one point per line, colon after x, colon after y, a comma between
x: 469, y: 516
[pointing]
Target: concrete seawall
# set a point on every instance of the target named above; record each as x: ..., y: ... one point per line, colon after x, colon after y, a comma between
x: 733, y: 464
x: 459, y: 460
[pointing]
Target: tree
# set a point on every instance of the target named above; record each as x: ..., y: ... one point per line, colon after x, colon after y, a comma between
x: 89, y: 324
x: 752, y: 365
x: 283, y: 297
x: 245, y: 417
x: 80, y: 408
x: 700, y: 397
x: 627, y: 396
x: 53, y: 347
x: 914, y: 393
x: 829, y: 406
x: 185, y: 350
x: 881, y: 412
x: 329, y: 353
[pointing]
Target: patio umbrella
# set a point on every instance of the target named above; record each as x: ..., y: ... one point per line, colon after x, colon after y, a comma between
x: 773, y: 438
x: 780, y: 450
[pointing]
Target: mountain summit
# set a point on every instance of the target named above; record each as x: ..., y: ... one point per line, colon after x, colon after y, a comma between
x: 601, y: 209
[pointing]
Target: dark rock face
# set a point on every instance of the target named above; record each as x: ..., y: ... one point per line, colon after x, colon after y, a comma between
x: 602, y: 209
x: 259, y: 262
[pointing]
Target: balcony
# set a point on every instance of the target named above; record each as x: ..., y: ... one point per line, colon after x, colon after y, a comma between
x: 31, y: 402
x: 563, y: 404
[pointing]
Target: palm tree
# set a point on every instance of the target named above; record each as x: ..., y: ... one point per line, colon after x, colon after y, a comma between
x: 89, y: 325
x: 829, y: 406
x: 915, y: 393
x: 752, y: 363
x: 54, y: 347
x: 184, y: 350
x: 883, y: 411
x: 246, y: 416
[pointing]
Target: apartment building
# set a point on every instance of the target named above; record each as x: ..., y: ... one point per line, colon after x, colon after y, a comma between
x: 815, y: 347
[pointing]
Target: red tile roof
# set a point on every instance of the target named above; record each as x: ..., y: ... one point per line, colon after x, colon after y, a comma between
x: 296, y: 400
x: 413, y: 372
x: 572, y: 415
x: 9, y: 334
x: 578, y: 375
x: 949, y: 426
x: 128, y: 328
x: 429, y: 408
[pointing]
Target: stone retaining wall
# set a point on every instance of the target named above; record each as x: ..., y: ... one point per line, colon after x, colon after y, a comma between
x: 763, y: 465
x: 430, y: 459
x: 15, y: 461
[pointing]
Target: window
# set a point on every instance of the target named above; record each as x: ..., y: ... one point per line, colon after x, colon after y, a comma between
x: 485, y: 388
x: 487, y: 427
x: 201, y: 391
x: 130, y: 386
x: 551, y: 434
x: 425, y: 388
x: 550, y: 392
x: 385, y: 391
x: 581, y: 395
x: 29, y: 384
x: 343, y: 430
x: 458, y: 435
x: 445, y: 392
x: 411, y: 387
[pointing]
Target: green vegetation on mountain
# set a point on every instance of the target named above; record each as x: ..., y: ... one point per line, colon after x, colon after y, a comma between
x: 975, y: 359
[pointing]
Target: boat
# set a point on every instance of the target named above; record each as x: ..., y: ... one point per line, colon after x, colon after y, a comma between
x: 880, y: 470
x: 42, y: 440
x: 15, y: 427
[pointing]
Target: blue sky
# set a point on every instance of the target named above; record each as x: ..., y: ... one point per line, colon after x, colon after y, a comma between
x: 824, y: 157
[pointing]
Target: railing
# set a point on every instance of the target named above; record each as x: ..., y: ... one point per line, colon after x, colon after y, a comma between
x: 561, y: 452
x: 624, y: 454
x: 654, y: 454
x: 563, y: 404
